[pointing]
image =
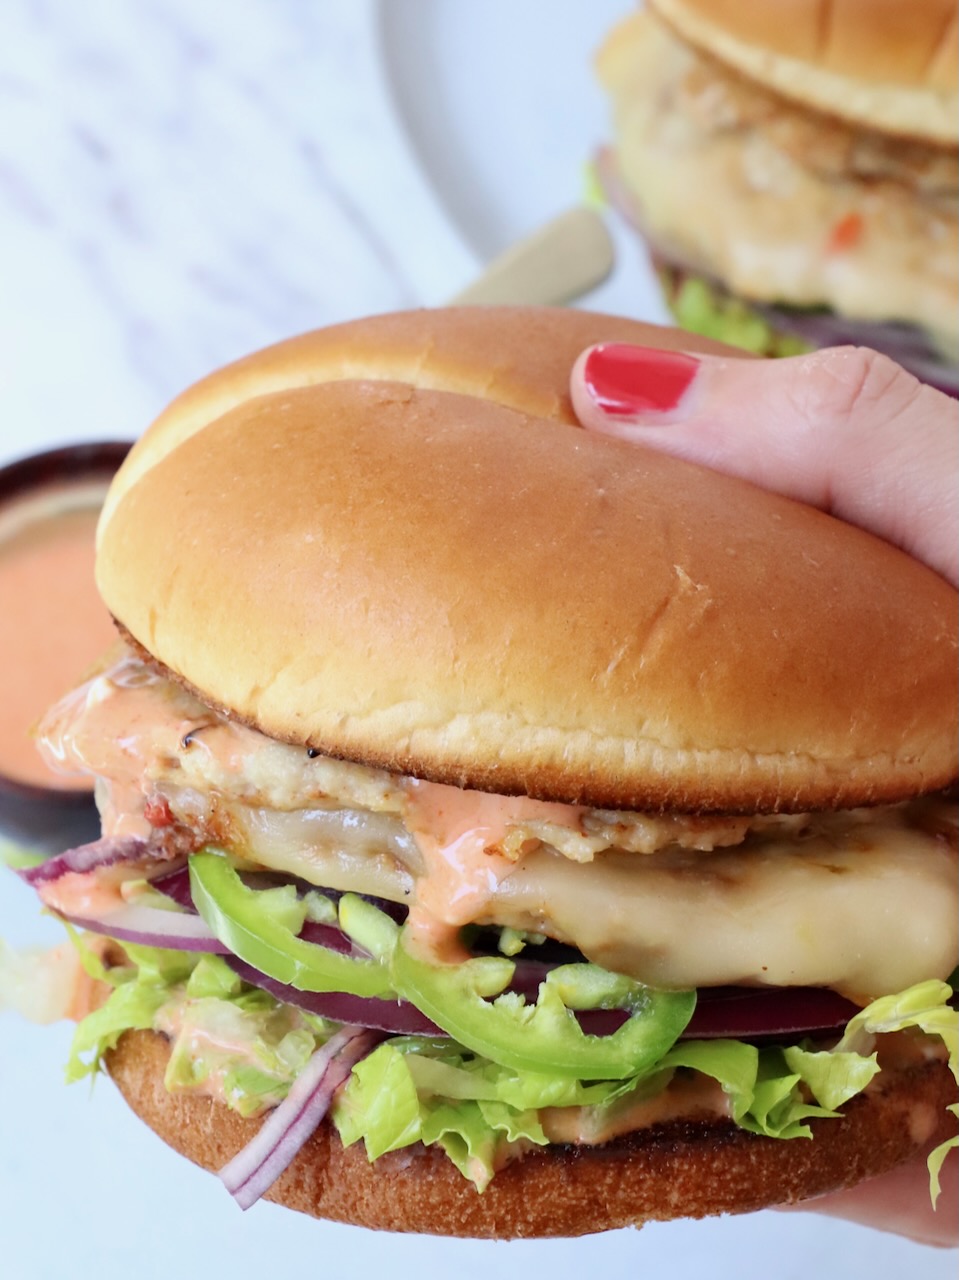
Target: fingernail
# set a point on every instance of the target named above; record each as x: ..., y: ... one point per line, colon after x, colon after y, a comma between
x: 627, y: 381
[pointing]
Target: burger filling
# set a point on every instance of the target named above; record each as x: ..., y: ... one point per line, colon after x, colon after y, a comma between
x: 494, y: 972
x: 804, y: 209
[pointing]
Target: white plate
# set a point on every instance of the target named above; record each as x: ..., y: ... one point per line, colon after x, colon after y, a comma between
x: 503, y: 112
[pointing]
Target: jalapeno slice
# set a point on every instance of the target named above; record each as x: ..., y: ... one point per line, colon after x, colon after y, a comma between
x: 471, y: 1002
x: 235, y: 914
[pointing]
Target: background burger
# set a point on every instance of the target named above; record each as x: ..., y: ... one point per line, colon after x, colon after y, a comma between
x: 794, y: 170
x: 507, y: 831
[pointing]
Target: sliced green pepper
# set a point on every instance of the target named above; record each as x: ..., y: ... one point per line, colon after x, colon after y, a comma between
x: 266, y: 941
x: 469, y: 1000
x: 545, y: 1036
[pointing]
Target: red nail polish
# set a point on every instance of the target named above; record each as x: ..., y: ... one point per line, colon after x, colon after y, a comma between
x: 628, y: 381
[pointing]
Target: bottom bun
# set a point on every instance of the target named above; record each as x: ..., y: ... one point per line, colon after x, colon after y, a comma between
x: 676, y: 1170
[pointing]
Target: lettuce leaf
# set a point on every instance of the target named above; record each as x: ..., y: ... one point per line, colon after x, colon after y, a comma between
x: 473, y: 1133
x: 832, y: 1077
x: 380, y: 1104
x: 17, y: 856
x: 213, y: 977
x: 217, y: 1025
x: 703, y: 308
x: 411, y: 1089
x: 470, y: 1106
x: 926, y: 1007
x: 432, y: 1090
x: 937, y: 1158
x: 132, y: 1006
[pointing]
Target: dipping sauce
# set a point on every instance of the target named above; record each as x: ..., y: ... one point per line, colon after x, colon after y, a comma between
x: 53, y: 624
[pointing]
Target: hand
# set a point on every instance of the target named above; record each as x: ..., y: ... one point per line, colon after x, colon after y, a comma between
x: 899, y: 1202
x: 845, y: 430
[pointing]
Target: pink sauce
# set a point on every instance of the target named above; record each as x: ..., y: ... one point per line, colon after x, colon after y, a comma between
x: 53, y: 625
x: 458, y: 833
x: 115, y: 724
x: 86, y: 894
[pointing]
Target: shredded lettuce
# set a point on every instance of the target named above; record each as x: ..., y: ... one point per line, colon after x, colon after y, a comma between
x: 832, y: 1077
x: 926, y: 1007
x: 250, y: 1043
x: 132, y: 1006
x: 213, y: 977
x: 937, y: 1158
x: 253, y: 1048
x: 443, y: 1093
x: 435, y: 1091
x: 473, y: 1133
x: 17, y: 856
x: 140, y: 990
x: 701, y: 307
x: 380, y: 1104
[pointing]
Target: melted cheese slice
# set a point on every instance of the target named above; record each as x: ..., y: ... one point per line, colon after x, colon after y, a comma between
x: 863, y: 902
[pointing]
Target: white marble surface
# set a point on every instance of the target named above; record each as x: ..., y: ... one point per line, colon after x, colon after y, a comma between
x: 182, y: 181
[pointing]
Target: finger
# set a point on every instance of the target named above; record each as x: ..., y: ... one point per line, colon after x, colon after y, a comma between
x: 899, y: 1202
x: 845, y: 429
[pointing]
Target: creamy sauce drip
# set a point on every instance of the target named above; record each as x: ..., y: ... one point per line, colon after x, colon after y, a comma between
x: 460, y: 836
x: 687, y: 1096
x: 118, y: 728
x: 87, y: 895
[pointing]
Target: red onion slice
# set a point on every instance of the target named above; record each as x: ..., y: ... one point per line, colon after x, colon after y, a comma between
x: 741, y: 1013
x: 106, y: 852
x: 176, y: 885
x: 728, y: 1013
x: 398, y: 1017
x: 255, y: 1168
x: 763, y: 1013
x: 153, y: 927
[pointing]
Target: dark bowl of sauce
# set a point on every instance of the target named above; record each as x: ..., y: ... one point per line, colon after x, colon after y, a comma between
x: 53, y: 627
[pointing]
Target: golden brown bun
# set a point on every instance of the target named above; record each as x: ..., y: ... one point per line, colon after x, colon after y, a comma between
x: 692, y: 1169
x: 515, y: 356
x: 890, y: 64
x: 434, y: 583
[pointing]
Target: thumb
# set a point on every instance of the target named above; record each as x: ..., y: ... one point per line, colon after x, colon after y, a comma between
x: 845, y: 429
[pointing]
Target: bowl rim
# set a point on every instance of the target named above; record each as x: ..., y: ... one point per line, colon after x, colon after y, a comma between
x: 67, y: 464
x: 86, y: 459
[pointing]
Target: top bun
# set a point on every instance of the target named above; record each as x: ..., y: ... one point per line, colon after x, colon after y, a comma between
x: 892, y: 65
x: 389, y: 540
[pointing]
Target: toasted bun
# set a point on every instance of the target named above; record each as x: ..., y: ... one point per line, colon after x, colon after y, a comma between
x: 679, y: 1170
x: 890, y: 65
x: 388, y: 541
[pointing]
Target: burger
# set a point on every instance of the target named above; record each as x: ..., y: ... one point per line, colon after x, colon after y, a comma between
x: 507, y: 831
x: 794, y: 170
